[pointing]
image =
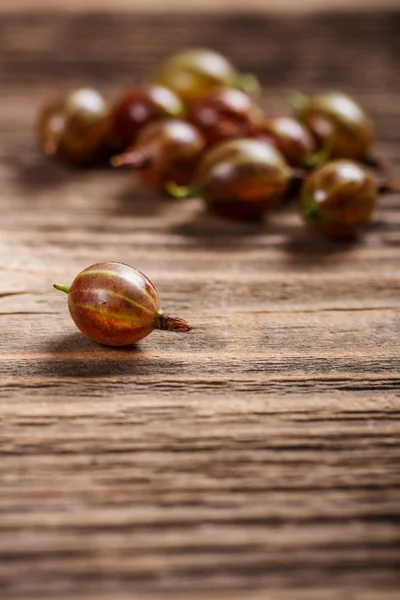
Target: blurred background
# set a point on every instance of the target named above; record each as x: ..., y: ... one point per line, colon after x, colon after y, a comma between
x: 306, y: 44
x: 47, y: 45
x: 229, y: 5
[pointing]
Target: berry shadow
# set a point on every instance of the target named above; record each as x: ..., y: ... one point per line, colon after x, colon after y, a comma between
x: 135, y: 200
x: 77, y: 356
x: 37, y: 175
x: 282, y: 229
x: 205, y: 229
x: 305, y: 246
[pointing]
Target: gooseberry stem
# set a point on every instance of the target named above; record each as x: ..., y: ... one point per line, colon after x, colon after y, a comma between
x: 226, y: 129
x: 50, y: 148
x: 134, y: 159
x: 248, y: 83
x: 62, y: 288
x: 182, y: 191
x: 296, y: 100
x: 321, y: 156
x: 175, y: 324
x: 310, y: 213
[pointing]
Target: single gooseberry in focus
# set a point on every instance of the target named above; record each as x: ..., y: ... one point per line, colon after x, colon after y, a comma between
x: 139, y: 106
x: 117, y: 305
x: 166, y: 150
x: 240, y: 179
x: 195, y: 72
x: 224, y: 114
x: 336, y: 119
x: 338, y: 198
x: 74, y: 128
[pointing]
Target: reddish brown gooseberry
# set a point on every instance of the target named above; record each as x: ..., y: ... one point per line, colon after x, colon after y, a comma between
x: 291, y: 138
x: 75, y: 127
x: 224, y: 114
x: 117, y: 305
x: 338, y: 198
x: 240, y: 179
x: 166, y: 150
x: 195, y: 72
x: 336, y: 119
x: 139, y: 106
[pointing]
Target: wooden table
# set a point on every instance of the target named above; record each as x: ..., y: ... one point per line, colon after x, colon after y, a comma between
x: 258, y: 456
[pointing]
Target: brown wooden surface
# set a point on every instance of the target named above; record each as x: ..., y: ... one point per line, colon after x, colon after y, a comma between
x: 190, y: 6
x: 258, y: 456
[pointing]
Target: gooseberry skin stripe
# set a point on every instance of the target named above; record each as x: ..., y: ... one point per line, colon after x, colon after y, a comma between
x: 121, y: 296
x: 115, y: 316
x: 112, y: 275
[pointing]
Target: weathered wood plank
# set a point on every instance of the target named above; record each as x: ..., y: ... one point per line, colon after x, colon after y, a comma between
x: 180, y: 5
x: 257, y: 457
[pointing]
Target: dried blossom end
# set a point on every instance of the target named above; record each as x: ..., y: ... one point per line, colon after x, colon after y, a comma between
x: 175, y: 324
x: 134, y: 159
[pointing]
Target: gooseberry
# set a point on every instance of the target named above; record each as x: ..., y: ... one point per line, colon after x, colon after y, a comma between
x: 240, y: 179
x: 139, y: 106
x: 194, y: 72
x: 224, y: 114
x: 117, y: 305
x: 75, y: 127
x: 338, y: 198
x: 336, y: 119
x: 291, y: 138
x: 166, y: 150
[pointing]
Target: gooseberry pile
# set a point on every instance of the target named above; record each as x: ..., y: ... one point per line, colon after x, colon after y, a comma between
x: 197, y: 129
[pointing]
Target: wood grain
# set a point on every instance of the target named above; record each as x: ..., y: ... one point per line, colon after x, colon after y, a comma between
x: 258, y: 456
x: 193, y: 6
